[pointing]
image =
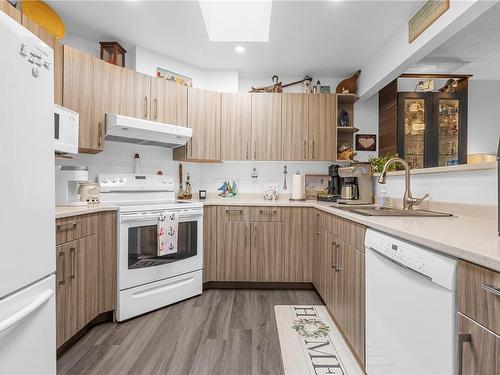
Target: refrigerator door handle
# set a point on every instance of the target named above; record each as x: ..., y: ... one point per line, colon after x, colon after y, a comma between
x: 26, y: 310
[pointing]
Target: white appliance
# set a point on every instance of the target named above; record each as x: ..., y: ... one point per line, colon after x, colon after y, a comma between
x: 68, y: 179
x: 66, y: 124
x: 27, y: 240
x: 138, y: 131
x: 410, y: 308
x: 146, y: 281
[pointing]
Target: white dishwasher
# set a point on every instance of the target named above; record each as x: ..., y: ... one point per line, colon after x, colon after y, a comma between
x: 410, y: 308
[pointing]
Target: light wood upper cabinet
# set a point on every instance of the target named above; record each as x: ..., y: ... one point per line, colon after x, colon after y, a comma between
x: 235, y: 126
x: 168, y: 102
x: 10, y: 10
x: 294, y: 125
x: 204, y: 118
x: 134, y: 94
x: 233, y: 251
x: 267, y: 255
x: 77, y: 95
x: 266, y: 127
x: 322, y: 127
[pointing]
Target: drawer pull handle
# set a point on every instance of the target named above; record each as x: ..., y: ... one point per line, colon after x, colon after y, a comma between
x: 334, y: 257
x: 462, y: 337
x: 233, y: 210
x: 63, y: 272
x: 337, y: 268
x: 491, y: 289
x: 73, y: 224
x: 263, y: 211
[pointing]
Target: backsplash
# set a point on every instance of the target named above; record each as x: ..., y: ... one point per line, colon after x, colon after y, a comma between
x: 469, y: 187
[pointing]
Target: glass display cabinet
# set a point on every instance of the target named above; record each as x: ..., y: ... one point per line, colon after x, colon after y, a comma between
x: 432, y: 129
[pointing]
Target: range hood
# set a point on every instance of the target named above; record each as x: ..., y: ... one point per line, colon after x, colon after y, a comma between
x: 144, y: 132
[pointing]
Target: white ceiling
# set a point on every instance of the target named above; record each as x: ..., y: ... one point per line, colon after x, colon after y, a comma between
x: 321, y: 38
x: 473, y: 50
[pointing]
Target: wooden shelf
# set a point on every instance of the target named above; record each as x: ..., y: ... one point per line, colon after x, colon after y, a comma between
x: 347, y: 129
x: 347, y: 98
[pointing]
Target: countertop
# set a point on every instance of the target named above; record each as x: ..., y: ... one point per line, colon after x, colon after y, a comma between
x: 469, y: 238
x: 67, y: 211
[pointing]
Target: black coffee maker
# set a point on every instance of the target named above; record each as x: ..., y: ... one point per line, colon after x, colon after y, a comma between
x: 334, y: 185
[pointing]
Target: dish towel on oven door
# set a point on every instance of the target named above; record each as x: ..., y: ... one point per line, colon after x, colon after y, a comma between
x: 168, y: 224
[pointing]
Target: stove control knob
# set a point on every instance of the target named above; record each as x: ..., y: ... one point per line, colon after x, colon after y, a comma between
x: 105, y: 180
x: 121, y: 180
x: 113, y: 180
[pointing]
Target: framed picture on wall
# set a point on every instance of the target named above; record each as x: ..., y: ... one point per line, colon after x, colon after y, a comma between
x: 366, y: 142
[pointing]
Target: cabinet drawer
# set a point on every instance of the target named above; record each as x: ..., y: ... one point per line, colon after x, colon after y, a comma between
x: 266, y: 213
x: 233, y: 213
x: 330, y: 223
x: 74, y: 227
x: 352, y: 233
x: 479, y: 294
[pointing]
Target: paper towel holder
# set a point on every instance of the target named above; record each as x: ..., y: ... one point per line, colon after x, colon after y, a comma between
x: 293, y: 188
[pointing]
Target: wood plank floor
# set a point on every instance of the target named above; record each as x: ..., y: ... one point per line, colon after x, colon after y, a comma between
x: 220, y: 332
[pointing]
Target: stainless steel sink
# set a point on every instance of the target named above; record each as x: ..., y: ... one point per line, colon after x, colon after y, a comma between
x: 389, y: 211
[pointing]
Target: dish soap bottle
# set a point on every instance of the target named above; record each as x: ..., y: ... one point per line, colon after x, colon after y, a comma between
x: 188, y: 193
x: 137, y: 164
x: 382, y: 198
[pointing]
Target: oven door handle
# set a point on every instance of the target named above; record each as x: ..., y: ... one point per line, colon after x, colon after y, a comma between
x: 183, y: 216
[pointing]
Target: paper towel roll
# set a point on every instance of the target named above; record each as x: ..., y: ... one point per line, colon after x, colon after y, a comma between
x: 298, y: 186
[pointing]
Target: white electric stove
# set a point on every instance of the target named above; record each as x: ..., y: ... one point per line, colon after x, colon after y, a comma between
x: 147, y: 281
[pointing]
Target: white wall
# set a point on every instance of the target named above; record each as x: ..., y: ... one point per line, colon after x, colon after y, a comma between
x: 93, y: 48
x: 483, y: 116
x: 471, y: 187
x: 147, y: 61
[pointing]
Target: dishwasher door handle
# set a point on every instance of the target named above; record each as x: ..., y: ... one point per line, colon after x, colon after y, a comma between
x: 400, y: 264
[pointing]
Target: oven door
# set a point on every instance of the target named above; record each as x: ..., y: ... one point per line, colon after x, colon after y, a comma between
x: 137, y: 254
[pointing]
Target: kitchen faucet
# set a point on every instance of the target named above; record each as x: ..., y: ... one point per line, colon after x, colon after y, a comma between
x: 409, y: 202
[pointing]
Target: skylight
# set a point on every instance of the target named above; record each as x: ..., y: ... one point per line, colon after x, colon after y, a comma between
x: 237, y: 21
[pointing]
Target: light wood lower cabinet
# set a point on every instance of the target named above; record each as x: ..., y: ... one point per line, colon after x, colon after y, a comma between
x: 339, y: 277
x: 233, y: 251
x: 76, y: 300
x: 266, y: 255
x: 297, y: 245
x: 209, y: 243
x: 479, y: 353
x: 85, y: 271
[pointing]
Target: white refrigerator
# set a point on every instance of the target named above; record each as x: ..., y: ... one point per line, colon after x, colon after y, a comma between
x: 27, y: 233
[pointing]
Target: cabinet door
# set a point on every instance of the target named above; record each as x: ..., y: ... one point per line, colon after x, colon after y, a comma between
x: 168, y: 102
x: 294, y: 125
x: 84, y: 272
x: 210, y: 243
x: 266, y: 126
x: 58, y: 72
x: 233, y: 251
x: 298, y: 254
x: 267, y: 260
x: 134, y: 94
x: 352, y: 274
x: 481, y: 354
x: 106, y: 296
x: 102, y: 93
x: 204, y: 119
x: 63, y: 306
x: 331, y: 275
x: 235, y: 126
x: 78, y: 83
x: 322, y: 127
